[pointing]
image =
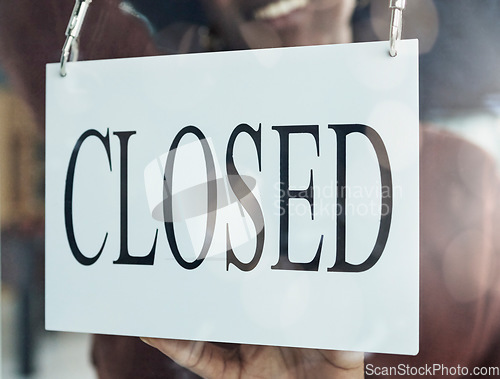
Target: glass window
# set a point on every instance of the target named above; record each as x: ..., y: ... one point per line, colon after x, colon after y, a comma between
x: 460, y: 153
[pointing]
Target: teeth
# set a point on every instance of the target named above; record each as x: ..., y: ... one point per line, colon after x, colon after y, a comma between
x: 279, y: 8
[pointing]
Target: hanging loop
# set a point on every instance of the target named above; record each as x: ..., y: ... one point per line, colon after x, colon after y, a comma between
x: 396, y: 7
x: 70, y: 47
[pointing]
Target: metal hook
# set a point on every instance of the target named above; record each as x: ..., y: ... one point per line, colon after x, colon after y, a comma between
x: 70, y: 47
x: 397, y: 7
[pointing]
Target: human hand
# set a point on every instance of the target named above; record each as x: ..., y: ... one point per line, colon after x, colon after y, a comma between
x: 211, y: 360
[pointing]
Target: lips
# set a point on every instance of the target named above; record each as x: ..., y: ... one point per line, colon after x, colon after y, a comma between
x: 278, y: 9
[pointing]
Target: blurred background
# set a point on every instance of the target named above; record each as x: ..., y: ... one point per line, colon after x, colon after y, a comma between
x: 27, y: 349
x: 459, y: 91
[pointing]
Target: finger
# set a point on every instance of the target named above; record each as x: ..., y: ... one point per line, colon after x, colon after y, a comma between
x: 344, y: 359
x: 203, y: 358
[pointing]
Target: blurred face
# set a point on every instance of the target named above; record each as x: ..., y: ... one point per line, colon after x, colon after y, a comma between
x: 269, y: 23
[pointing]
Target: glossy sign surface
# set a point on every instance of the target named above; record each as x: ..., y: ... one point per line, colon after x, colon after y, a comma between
x: 265, y: 197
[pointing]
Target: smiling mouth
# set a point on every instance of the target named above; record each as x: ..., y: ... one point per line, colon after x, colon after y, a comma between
x: 279, y: 9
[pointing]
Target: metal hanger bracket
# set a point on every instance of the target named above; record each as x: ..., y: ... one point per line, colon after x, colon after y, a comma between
x: 396, y: 7
x: 70, y: 47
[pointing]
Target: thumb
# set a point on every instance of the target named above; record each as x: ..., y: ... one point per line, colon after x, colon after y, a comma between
x: 202, y: 358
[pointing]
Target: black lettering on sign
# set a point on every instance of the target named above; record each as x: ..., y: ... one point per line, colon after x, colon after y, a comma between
x: 68, y: 196
x: 211, y: 197
x: 286, y: 194
x: 341, y: 265
x: 245, y: 197
x: 125, y: 257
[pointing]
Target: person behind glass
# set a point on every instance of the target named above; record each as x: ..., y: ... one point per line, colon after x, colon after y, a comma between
x: 459, y: 245
x: 255, y: 24
x: 460, y: 301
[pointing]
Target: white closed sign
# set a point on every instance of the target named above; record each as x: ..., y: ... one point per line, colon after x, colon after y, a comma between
x: 265, y: 197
